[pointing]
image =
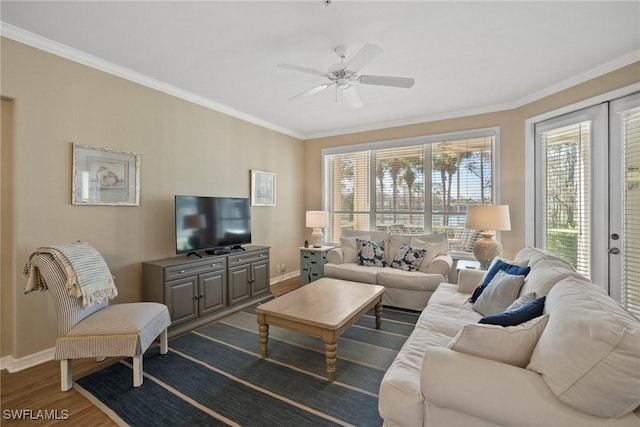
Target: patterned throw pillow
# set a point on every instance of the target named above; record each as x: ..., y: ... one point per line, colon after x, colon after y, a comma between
x: 408, y: 258
x: 370, y: 254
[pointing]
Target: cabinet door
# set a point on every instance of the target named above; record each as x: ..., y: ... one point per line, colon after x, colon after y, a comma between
x: 305, y: 267
x: 212, y: 289
x: 259, y: 278
x: 182, y: 299
x: 239, y: 284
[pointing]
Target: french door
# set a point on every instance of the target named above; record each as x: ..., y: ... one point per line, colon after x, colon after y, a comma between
x: 624, y: 243
x: 587, y: 199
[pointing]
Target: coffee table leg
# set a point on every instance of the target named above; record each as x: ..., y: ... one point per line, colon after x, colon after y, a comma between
x: 331, y: 350
x: 264, y: 335
x: 378, y: 314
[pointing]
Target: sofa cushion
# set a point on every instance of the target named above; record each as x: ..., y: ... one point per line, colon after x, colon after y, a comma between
x: 400, y: 395
x: 589, y: 353
x: 350, y: 247
x: 408, y: 258
x: 370, y: 254
x: 417, y: 280
x: 520, y: 315
x: 498, y: 265
x: 499, y: 294
x: 436, y: 244
x: 352, y: 272
x: 522, y: 300
x: 546, y: 272
x: 512, y: 345
x: 432, y: 252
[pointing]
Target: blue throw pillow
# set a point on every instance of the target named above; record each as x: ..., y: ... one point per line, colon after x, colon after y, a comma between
x: 497, y: 266
x: 529, y: 311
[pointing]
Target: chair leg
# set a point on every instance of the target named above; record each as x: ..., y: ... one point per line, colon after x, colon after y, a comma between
x: 137, y: 371
x: 65, y: 375
x: 164, y: 343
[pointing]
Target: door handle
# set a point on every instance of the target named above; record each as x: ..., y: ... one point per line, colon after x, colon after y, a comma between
x: 614, y: 251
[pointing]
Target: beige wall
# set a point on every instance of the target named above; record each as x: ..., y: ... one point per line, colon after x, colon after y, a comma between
x: 184, y: 148
x: 512, y: 144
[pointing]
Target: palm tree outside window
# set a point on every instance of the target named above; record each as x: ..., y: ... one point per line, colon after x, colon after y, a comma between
x: 423, y: 183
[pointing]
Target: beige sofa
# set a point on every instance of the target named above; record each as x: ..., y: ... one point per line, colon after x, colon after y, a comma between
x: 576, y: 365
x: 404, y: 289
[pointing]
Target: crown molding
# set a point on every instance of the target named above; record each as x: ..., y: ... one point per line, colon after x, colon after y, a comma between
x: 22, y: 36
x: 64, y: 51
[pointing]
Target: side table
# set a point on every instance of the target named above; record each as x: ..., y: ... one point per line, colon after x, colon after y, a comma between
x: 312, y: 261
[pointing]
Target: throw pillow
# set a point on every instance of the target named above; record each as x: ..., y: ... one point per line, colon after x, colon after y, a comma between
x: 433, y: 250
x: 522, y: 300
x: 513, y: 344
x: 498, y: 265
x: 350, y: 247
x: 408, y: 258
x: 501, y: 292
x: 529, y: 311
x: 370, y: 254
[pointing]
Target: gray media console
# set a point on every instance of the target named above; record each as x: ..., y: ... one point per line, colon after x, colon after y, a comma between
x: 201, y: 290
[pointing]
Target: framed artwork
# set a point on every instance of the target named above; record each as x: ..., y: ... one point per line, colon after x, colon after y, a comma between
x: 263, y: 188
x: 102, y: 176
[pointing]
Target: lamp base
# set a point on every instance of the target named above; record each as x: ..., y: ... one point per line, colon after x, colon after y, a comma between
x: 486, y: 249
x: 317, y: 238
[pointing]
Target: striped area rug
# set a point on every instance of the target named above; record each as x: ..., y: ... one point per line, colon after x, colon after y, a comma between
x: 215, y: 376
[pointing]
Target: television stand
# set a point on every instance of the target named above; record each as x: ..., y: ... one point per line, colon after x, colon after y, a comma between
x: 237, y: 248
x: 194, y: 253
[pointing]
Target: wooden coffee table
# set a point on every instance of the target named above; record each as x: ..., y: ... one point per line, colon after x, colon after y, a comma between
x: 324, y: 308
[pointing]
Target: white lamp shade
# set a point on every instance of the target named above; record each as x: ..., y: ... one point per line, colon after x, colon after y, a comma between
x: 488, y: 217
x: 317, y: 219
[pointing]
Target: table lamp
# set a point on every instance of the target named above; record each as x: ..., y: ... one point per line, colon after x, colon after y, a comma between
x: 317, y: 220
x: 487, y: 218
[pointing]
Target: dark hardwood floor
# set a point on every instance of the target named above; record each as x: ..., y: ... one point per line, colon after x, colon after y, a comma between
x: 34, y: 395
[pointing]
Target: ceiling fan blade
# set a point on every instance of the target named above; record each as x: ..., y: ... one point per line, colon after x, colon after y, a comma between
x: 387, y: 81
x: 302, y: 69
x: 312, y: 90
x: 364, y: 56
x: 352, y: 98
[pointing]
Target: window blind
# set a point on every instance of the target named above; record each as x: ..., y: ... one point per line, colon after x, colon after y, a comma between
x: 566, y: 219
x: 424, y: 185
x: 630, y: 124
x: 400, y: 187
x: 348, y: 187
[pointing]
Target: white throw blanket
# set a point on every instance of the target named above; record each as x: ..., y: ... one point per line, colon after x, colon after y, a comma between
x: 88, y: 276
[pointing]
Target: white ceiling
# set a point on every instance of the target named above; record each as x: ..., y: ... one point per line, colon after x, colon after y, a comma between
x: 466, y: 57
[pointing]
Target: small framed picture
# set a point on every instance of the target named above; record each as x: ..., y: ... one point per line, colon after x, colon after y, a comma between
x: 263, y: 188
x: 102, y: 176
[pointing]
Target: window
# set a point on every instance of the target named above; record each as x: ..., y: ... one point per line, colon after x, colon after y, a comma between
x: 423, y: 183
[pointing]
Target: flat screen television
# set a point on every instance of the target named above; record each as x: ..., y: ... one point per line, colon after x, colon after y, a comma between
x: 211, y: 224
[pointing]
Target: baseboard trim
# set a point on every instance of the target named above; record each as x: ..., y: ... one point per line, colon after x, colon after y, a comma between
x: 284, y: 277
x: 12, y: 364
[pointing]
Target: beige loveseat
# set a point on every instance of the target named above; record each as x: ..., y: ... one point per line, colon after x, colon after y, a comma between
x: 404, y: 289
x: 576, y: 365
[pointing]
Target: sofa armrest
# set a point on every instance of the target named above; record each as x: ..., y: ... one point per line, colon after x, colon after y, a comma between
x: 335, y: 256
x: 441, y: 265
x: 469, y: 279
x: 496, y: 392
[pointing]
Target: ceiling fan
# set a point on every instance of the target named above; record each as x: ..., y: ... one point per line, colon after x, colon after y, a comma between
x: 344, y: 74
